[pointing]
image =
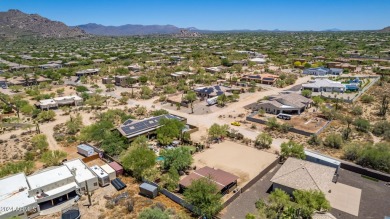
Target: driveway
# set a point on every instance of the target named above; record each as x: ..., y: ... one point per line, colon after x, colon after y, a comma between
x: 245, y: 203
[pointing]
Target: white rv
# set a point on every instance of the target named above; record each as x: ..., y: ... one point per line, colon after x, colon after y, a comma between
x: 103, y: 177
x: 212, y: 101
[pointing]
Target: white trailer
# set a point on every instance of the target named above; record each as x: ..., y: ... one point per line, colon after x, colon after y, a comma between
x: 212, y: 101
x: 110, y: 171
x: 103, y: 177
x: 85, y: 150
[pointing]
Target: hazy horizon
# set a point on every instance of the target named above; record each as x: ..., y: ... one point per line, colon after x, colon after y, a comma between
x: 216, y: 15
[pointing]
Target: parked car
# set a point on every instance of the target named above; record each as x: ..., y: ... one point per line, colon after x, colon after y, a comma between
x: 284, y: 116
x: 236, y: 123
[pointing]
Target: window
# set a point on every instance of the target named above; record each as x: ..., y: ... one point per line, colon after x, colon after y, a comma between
x: 95, y: 184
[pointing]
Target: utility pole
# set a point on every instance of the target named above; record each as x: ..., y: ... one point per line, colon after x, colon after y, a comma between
x: 89, y: 195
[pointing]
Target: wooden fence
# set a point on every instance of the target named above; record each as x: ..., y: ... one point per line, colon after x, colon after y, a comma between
x: 90, y: 158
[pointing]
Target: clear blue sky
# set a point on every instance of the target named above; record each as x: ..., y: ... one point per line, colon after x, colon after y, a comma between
x: 215, y: 14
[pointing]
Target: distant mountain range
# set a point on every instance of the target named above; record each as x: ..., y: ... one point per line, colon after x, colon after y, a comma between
x: 385, y: 30
x: 128, y: 29
x: 14, y: 23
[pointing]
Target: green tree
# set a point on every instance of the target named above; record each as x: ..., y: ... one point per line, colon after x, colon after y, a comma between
x: 40, y: 142
x: 16, y: 88
x: 123, y: 100
x: 16, y: 167
x: 191, y: 97
x: 153, y: 213
x: 292, y: 149
x: 143, y: 79
x: 139, y: 158
x: 216, y: 131
x: 263, y: 140
x: 203, y: 194
x: 306, y: 93
x: 53, y: 158
x: 45, y: 116
x: 307, y: 65
x: 27, y: 109
x: 110, y: 87
x: 310, y: 201
x: 272, y: 123
x: 159, y: 112
x: 221, y: 100
x: 178, y: 158
x: 146, y: 92
x: 171, y: 179
x: 81, y: 89
x: 74, y: 124
x: 297, y: 64
x: 169, y: 130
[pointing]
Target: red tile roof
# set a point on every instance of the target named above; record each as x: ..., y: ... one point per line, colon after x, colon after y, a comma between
x: 219, y: 177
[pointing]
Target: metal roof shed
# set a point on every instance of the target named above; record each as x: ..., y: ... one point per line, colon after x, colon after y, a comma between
x: 117, y: 167
x: 322, y: 159
x: 148, y: 190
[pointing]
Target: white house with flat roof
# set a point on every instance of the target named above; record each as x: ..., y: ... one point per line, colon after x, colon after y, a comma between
x: 52, y: 186
x: 60, y: 101
x: 15, y: 199
x: 322, y: 84
x: 84, y: 176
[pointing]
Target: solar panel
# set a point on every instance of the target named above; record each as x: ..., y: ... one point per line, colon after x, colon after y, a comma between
x: 139, y: 126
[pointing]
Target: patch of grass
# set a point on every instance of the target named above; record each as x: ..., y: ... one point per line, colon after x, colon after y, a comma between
x: 369, y: 178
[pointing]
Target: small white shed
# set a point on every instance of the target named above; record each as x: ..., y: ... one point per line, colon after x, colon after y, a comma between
x: 110, y: 171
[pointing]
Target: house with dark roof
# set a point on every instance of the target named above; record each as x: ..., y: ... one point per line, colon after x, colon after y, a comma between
x: 87, y: 72
x: 296, y: 174
x: 290, y: 103
x: 132, y: 129
x: 224, y: 181
x: 213, y: 91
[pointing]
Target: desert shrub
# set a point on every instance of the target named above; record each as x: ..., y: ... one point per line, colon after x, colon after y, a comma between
x: 333, y: 140
x: 357, y: 110
x: 367, y: 98
x: 362, y: 125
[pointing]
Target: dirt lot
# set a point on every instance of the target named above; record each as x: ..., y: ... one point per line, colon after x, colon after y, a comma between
x: 242, y: 161
x: 307, y: 121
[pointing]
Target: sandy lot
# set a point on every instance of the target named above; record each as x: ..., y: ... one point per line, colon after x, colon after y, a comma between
x: 243, y: 161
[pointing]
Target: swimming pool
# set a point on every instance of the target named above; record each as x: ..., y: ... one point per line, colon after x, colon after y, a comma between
x: 160, y: 158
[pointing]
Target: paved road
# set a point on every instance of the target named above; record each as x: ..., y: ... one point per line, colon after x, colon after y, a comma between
x: 202, y: 121
x: 245, y: 203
